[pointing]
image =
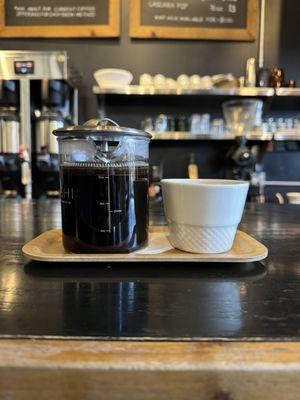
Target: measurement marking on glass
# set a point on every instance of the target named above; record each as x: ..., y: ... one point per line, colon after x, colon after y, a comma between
x: 108, y: 198
x: 107, y: 204
x: 67, y: 193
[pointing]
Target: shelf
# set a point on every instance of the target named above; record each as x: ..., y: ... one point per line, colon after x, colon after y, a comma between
x: 140, y: 90
x: 287, y: 92
x: 187, y: 136
x: 246, y: 91
x: 286, y: 135
x: 260, y: 136
x: 252, y: 136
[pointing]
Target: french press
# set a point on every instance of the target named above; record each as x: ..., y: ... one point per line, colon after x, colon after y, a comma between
x: 104, y: 187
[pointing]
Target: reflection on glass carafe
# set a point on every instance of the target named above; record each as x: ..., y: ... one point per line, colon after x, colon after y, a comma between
x: 104, y: 187
x: 45, y: 125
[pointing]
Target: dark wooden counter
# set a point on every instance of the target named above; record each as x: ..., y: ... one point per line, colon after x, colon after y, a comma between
x: 258, y: 302
x: 255, y: 301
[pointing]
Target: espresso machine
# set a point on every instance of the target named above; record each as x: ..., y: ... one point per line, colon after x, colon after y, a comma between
x: 10, y: 163
x: 38, y: 94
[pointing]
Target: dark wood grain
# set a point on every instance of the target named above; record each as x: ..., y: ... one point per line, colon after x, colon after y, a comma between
x: 255, y: 301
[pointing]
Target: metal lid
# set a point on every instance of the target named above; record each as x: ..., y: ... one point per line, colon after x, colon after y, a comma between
x: 99, y: 126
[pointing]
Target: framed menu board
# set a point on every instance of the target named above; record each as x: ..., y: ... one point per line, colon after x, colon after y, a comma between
x: 194, y: 19
x: 59, y: 18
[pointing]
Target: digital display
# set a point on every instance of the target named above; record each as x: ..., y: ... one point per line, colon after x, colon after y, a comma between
x: 24, y: 67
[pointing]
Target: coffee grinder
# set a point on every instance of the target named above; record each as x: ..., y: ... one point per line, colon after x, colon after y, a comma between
x: 240, y: 117
x: 37, y: 95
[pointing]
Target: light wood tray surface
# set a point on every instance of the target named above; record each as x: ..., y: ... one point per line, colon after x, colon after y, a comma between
x: 48, y: 247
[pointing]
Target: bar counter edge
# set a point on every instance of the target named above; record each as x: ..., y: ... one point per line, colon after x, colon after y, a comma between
x: 56, y: 369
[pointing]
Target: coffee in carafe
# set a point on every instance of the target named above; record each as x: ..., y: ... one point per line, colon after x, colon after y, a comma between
x: 104, y: 189
x: 116, y: 219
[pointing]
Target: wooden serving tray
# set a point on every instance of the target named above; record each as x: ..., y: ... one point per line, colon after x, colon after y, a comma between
x: 48, y: 247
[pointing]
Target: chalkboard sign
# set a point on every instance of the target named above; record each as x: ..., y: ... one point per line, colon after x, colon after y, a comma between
x: 194, y: 19
x: 59, y: 18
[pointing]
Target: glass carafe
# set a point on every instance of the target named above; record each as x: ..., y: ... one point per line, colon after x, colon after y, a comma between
x: 104, y: 187
x: 240, y: 115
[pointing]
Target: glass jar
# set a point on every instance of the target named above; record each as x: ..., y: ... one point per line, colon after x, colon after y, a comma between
x: 104, y: 187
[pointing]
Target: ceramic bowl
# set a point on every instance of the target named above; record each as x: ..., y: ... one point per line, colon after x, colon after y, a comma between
x: 110, y: 78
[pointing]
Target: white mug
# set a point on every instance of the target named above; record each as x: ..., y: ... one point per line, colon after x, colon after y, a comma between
x: 293, y: 197
x: 203, y: 214
x: 159, y: 81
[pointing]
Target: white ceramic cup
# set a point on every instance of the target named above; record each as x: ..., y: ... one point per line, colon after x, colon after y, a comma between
x: 203, y: 214
x: 293, y: 197
x: 146, y: 80
x: 183, y: 81
x: 159, y: 81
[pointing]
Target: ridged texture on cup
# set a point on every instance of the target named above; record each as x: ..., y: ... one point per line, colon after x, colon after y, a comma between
x: 198, y: 239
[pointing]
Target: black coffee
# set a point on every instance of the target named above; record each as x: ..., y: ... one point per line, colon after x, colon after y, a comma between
x: 104, y: 210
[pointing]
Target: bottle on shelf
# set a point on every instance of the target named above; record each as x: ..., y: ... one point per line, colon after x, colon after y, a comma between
x: 193, y: 168
x: 250, y: 75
